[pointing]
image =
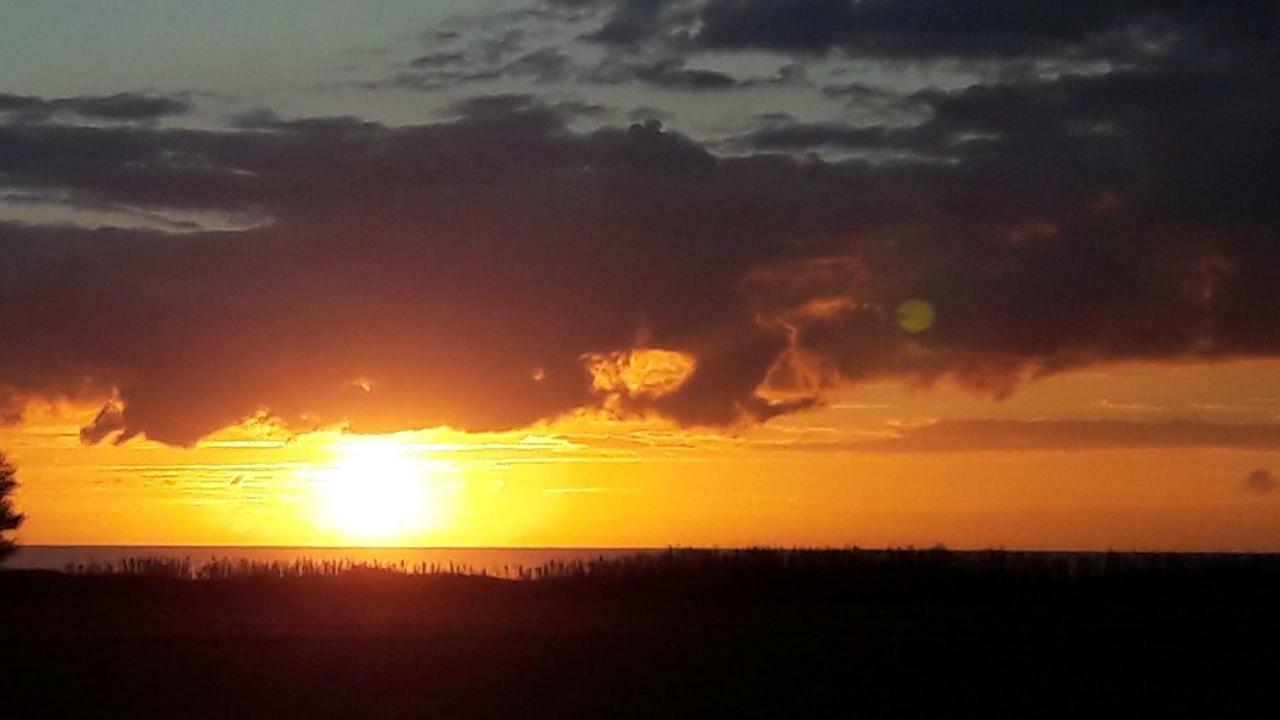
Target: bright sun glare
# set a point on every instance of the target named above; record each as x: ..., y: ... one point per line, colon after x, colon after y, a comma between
x: 381, y: 491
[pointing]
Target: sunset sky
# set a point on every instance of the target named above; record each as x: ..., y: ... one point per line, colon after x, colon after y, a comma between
x: 642, y: 272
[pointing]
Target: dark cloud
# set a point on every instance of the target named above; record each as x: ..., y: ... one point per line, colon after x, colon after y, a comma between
x: 1261, y: 482
x: 473, y: 271
x: 121, y: 107
x: 673, y: 73
x: 544, y: 65
x: 438, y: 59
x: 110, y: 419
x: 780, y: 135
x: 857, y: 90
x: 669, y: 74
x: 927, y: 29
x: 1192, y: 140
x: 907, y: 27
x: 631, y: 22
x: 446, y: 264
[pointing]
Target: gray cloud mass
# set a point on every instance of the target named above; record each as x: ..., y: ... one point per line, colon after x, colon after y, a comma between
x: 459, y: 271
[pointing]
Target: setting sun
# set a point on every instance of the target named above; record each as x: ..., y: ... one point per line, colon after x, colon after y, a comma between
x: 639, y: 358
x: 380, y: 491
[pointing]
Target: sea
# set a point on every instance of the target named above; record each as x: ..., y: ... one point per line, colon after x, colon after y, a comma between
x: 489, y: 560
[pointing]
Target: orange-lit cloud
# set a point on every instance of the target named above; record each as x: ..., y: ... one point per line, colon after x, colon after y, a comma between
x: 639, y: 373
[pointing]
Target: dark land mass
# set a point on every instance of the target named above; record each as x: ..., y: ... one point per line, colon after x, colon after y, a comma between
x: 743, y: 634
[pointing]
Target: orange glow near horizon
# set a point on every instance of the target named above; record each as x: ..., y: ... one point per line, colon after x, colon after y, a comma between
x: 593, y: 480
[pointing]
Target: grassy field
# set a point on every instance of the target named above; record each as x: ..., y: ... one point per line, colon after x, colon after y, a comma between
x: 764, y: 633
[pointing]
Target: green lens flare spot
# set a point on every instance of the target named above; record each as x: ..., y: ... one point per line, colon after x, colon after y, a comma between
x: 915, y: 315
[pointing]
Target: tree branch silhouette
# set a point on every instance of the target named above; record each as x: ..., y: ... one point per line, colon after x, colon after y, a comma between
x: 10, y: 518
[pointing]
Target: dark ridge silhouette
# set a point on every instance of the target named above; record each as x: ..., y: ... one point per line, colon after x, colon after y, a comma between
x: 684, y: 633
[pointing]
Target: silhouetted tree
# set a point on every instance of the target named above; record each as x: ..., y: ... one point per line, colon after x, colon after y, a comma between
x: 10, y: 519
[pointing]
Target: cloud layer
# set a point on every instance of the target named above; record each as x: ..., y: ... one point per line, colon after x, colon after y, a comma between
x: 121, y: 107
x: 475, y: 271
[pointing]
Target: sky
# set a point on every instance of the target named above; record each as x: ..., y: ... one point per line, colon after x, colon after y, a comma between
x: 642, y: 273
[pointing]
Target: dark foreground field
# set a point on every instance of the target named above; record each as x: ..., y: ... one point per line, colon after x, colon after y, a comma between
x: 686, y: 634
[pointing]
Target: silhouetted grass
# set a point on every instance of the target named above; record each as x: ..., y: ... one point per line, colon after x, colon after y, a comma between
x: 749, y: 633
x: 735, y: 566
